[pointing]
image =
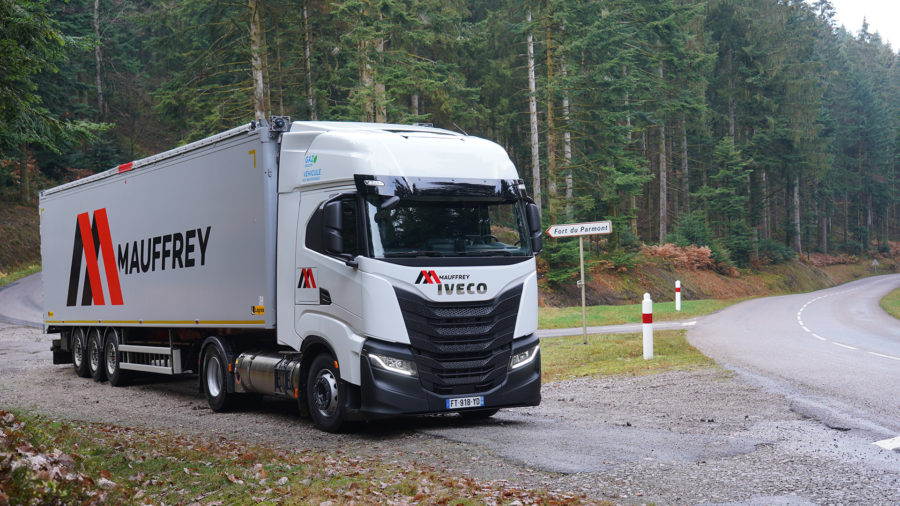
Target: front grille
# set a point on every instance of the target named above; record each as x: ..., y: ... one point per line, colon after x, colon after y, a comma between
x: 461, y: 347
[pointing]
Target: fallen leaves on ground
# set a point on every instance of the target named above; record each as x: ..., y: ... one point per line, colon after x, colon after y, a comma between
x: 46, y: 462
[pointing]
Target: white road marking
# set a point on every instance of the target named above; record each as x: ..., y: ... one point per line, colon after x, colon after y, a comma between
x: 806, y: 329
x: 820, y: 338
x: 889, y: 444
x: 884, y: 356
x: 843, y: 345
x: 688, y: 324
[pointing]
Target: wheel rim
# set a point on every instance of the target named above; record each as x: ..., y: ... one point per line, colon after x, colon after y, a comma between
x: 325, y: 393
x: 94, y: 354
x: 214, y: 376
x: 77, y: 349
x: 112, y: 357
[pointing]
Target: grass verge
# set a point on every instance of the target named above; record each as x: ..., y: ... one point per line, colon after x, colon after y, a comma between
x: 891, y: 303
x: 5, y: 278
x: 614, y: 354
x: 49, y: 462
x: 568, y: 317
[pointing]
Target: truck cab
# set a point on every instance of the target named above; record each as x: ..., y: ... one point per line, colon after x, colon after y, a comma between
x: 410, y: 264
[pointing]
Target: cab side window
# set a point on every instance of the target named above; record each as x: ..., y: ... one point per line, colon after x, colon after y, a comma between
x: 351, y: 231
x: 349, y: 209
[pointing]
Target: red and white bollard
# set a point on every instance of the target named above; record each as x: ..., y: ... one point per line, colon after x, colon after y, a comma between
x: 677, y: 295
x: 647, y: 307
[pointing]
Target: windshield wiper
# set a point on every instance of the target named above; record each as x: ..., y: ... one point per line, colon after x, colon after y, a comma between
x: 414, y: 253
x: 491, y: 253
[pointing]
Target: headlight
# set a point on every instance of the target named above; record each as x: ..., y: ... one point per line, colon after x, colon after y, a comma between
x: 394, y: 365
x: 524, y: 357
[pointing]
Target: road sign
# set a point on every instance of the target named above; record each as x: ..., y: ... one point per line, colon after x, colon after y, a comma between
x: 578, y: 229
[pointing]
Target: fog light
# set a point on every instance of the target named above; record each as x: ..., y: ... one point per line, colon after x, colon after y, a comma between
x: 524, y: 357
x: 394, y: 365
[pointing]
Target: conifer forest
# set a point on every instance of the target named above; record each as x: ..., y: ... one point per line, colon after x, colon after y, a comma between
x: 759, y: 128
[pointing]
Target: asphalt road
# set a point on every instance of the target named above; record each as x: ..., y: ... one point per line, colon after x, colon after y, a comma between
x: 21, y: 301
x: 835, y: 352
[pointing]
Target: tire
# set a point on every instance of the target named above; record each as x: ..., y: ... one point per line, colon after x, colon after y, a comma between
x: 78, y: 343
x: 478, y: 414
x: 325, y: 394
x: 116, y: 375
x: 94, y: 355
x: 213, y: 381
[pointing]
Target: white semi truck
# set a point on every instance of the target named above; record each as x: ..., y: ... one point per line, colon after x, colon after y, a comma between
x: 365, y: 270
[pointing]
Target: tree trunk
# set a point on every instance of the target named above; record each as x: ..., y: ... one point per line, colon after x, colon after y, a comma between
x: 257, y: 52
x: 25, y: 179
x: 380, y: 92
x: 731, y: 120
x: 796, y: 216
x: 823, y: 224
x: 307, y: 43
x: 567, y: 149
x: 663, y: 172
x: 868, y: 219
x: 552, y: 194
x: 414, y: 104
x: 765, y: 205
x: 278, y: 69
x: 532, y: 111
x: 367, y: 81
x: 684, y: 165
x: 663, y: 184
x: 633, y: 203
x: 98, y: 60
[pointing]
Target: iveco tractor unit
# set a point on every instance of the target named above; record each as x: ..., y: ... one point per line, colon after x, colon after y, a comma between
x: 365, y: 270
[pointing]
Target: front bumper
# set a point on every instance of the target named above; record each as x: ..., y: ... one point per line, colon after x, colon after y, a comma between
x: 383, y: 393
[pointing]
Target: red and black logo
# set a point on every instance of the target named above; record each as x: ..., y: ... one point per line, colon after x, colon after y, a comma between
x: 307, y: 280
x: 428, y: 278
x: 91, y: 239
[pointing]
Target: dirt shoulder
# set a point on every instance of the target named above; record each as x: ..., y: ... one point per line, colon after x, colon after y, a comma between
x: 19, y: 236
x: 680, y: 437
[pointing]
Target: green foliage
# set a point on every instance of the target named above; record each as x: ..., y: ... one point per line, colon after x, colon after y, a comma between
x: 754, y: 97
x: 692, y: 229
x: 775, y: 252
x: 31, y: 44
x: 562, y: 258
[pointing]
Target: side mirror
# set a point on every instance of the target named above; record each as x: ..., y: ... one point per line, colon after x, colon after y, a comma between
x: 333, y: 228
x: 534, y: 227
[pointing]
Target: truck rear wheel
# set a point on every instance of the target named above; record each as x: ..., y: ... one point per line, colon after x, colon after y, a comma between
x: 78, y: 343
x: 94, y: 356
x: 116, y: 375
x: 325, y: 394
x: 213, y: 379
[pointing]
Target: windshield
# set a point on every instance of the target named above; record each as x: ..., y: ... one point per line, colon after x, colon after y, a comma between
x: 428, y: 227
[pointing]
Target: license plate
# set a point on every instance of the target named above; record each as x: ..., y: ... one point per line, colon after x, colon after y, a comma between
x: 465, y: 402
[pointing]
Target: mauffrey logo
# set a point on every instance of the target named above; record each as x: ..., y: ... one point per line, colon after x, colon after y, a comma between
x: 91, y: 239
x: 307, y: 280
x: 428, y: 278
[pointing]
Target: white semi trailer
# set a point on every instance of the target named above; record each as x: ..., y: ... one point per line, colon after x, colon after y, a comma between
x: 365, y: 270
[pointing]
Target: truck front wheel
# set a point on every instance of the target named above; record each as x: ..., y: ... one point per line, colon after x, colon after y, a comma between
x: 325, y: 394
x: 78, y: 343
x: 95, y: 355
x: 212, y: 378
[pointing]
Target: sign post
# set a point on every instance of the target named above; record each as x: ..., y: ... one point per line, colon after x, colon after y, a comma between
x: 581, y: 230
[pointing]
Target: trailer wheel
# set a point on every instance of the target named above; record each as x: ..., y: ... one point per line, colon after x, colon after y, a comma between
x: 325, y: 394
x: 116, y: 375
x: 212, y: 377
x: 78, y: 343
x: 94, y: 356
